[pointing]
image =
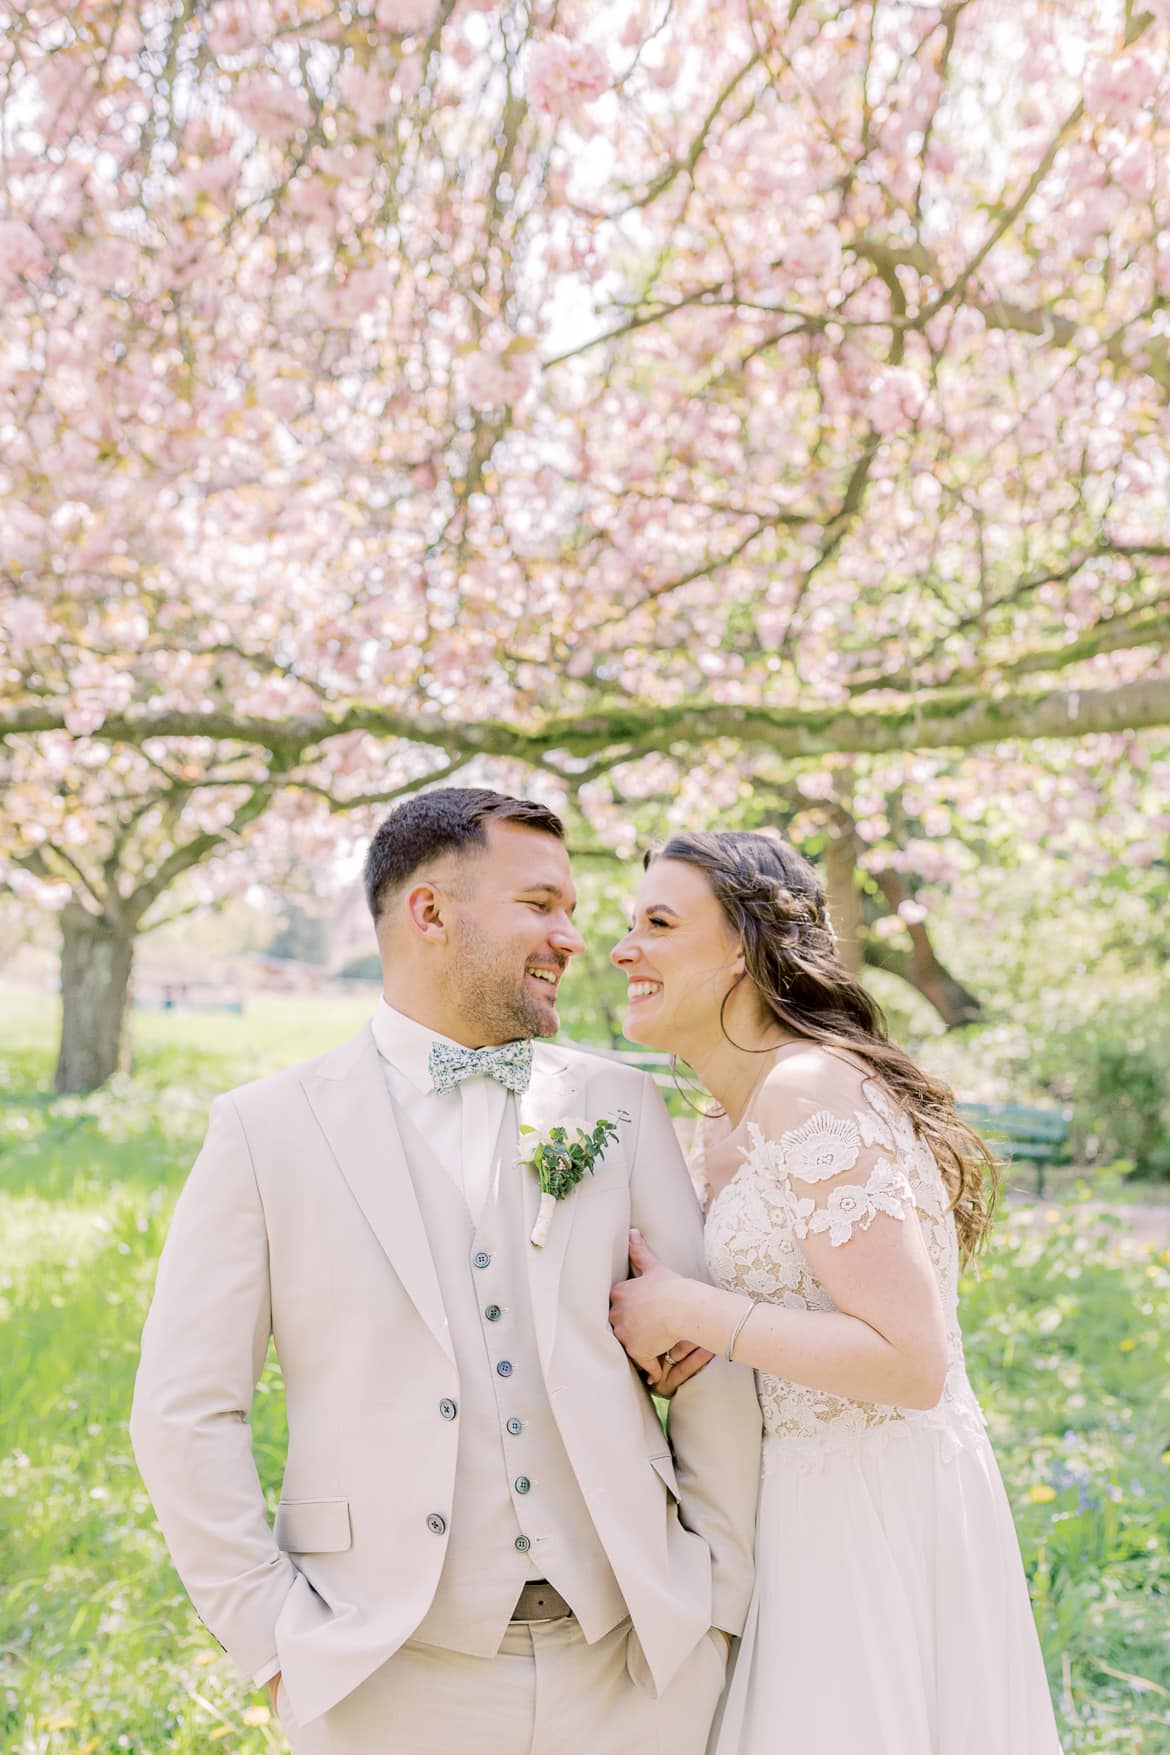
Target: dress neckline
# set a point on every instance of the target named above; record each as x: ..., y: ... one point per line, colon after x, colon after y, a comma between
x: 743, y: 1150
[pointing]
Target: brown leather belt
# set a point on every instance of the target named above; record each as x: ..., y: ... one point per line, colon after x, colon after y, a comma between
x: 538, y: 1601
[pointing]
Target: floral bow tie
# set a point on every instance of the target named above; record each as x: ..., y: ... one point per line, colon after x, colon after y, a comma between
x: 510, y: 1065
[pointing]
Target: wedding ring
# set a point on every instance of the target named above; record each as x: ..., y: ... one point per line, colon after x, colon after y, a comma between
x: 670, y: 1358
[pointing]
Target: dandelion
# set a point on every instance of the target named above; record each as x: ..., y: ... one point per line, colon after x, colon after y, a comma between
x: 1127, y: 1345
x: 1041, y: 1493
x: 257, y: 1715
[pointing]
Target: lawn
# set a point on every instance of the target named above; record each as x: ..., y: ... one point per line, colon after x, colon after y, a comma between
x: 1067, y: 1324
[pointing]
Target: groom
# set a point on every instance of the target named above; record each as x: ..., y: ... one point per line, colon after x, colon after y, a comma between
x: 483, y: 1541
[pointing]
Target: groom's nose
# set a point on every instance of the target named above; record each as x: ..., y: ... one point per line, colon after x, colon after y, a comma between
x: 566, y: 938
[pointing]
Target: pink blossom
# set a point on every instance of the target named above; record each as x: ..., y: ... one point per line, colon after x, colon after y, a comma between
x: 408, y: 75
x: 925, y: 491
x: 283, y: 397
x: 271, y: 107
x: 1145, y: 852
x: 498, y: 377
x: 563, y: 76
x: 25, y: 624
x: 233, y: 28
x: 664, y: 76
x: 1117, y: 90
x: 83, y: 714
x: 22, y: 255
x: 814, y: 255
x: 897, y: 400
x: 402, y: 16
x: 367, y: 94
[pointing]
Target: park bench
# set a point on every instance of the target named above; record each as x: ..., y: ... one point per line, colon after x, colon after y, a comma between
x: 1022, y: 1133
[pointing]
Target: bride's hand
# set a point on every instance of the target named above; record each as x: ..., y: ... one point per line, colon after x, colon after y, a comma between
x: 640, y: 1311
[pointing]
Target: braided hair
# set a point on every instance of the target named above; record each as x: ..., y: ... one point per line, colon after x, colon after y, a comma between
x: 775, y: 904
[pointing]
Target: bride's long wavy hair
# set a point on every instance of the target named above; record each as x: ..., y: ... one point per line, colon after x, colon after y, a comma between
x: 775, y: 904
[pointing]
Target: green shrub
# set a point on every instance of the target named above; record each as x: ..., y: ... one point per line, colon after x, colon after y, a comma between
x: 1114, y: 1068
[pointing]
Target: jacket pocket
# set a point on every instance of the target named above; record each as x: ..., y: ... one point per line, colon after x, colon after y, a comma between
x: 663, y: 1466
x: 313, y: 1526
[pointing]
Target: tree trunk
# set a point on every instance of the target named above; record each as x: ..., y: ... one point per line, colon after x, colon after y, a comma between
x: 96, y: 960
x: 954, y: 1003
x: 843, y: 890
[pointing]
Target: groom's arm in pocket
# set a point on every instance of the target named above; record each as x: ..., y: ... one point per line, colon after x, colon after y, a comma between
x: 714, y: 1424
x: 203, y: 1350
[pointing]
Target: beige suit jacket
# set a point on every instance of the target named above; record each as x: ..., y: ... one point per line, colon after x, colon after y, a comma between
x: 299, y: 1220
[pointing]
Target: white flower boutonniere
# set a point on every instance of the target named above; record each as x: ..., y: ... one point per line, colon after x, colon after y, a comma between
x: 561, y: 1155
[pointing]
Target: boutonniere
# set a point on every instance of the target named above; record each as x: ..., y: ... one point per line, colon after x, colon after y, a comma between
x: 560, y: 1156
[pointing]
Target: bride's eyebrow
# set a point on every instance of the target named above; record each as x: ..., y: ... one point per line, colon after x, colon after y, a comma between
x: 655, y: 908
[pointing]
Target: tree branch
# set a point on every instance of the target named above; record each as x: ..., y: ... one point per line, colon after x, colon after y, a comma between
x: 940, y: 719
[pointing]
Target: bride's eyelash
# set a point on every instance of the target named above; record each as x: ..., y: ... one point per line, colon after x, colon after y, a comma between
x: 655, y: 920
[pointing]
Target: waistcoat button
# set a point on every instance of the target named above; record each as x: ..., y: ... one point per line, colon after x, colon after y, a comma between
x: 493, y: 1313
x: 436, y: 1524
x: 448, y: 1409
x: 504, y: 1368
x: 515, y: 1425
x: 481, y: 1259
x: 523, y: 1484
x: 522, y: 1544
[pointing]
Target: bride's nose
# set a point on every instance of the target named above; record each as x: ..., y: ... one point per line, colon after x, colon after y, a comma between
x: 623, y: 952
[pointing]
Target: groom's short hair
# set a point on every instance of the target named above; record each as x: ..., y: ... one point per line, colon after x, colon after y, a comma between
x: 452, y: 819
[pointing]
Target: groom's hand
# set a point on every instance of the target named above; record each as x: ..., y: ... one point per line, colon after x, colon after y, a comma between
x: 686, y: 1361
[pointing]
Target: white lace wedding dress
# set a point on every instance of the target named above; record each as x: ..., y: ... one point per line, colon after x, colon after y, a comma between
x: 890, y: 1613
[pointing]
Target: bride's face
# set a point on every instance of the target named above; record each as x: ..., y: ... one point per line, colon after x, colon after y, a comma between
x: 680, y: 958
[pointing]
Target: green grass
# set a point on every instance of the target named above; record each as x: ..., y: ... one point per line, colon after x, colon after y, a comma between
x: 1067, y: 1327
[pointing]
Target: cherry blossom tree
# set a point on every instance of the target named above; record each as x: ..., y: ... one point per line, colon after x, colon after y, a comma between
x: 391, y: 388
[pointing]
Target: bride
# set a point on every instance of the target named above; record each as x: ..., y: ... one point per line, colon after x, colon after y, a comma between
x: 891, y: 1613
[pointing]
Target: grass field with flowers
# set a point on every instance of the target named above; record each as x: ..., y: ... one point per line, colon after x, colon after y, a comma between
x: 1068, y: 1331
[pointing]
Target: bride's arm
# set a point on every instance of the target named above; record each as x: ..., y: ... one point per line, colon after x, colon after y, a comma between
x: 885, y: 1342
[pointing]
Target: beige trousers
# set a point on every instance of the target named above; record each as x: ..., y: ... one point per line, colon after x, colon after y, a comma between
x: 546, y: 1692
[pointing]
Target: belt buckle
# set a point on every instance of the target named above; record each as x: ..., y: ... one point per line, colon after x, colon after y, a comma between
x: 535, y: 1589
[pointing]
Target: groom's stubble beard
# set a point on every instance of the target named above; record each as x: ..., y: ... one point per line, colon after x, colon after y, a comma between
x: 488, y: 988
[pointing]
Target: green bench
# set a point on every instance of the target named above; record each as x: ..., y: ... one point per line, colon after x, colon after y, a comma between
x: 1023, y: 1133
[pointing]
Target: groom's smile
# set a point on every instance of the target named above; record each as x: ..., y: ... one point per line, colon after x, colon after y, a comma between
x: 514, y: 936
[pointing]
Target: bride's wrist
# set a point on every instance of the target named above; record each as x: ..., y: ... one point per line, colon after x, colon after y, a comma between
x: 680, y: 1306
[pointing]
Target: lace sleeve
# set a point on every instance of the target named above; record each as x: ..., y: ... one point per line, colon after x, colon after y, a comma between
x: 835, y: 1173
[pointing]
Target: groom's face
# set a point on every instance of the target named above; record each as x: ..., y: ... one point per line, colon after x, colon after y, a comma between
x: 512, y: 935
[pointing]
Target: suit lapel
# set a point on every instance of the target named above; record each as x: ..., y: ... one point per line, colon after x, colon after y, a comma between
x: 553, y: 1095
x: 348, y: 1094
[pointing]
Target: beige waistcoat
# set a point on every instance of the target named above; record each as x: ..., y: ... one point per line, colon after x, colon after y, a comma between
x: 517, y: 1511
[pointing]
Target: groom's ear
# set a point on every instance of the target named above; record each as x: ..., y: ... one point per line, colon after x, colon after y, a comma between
x: 427, y: 910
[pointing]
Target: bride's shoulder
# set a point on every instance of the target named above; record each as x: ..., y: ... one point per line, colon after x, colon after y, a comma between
x: 807, y: 1079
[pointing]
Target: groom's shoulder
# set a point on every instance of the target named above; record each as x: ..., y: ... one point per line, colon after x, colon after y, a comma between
x: 287, y: 1083
x: 588, y: 1065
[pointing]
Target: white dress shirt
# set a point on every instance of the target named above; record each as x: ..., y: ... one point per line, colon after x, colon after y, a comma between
x: 460, y: 1126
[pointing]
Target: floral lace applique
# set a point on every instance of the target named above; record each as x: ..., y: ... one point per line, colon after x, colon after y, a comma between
x: 756, y: 1224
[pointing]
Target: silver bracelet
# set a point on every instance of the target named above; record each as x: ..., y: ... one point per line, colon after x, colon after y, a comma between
x: 736, y: 1330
